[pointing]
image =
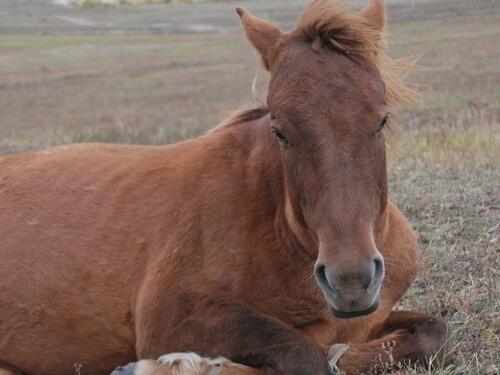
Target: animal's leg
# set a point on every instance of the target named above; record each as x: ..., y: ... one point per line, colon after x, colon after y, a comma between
x: 233, y: 330
x: 404, y: 337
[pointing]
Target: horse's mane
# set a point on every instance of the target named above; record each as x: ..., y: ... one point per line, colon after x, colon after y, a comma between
x: 330, y: 23
x: 243, y: 115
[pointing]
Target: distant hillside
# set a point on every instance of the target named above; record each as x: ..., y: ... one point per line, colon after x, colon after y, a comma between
x: 125, y: 2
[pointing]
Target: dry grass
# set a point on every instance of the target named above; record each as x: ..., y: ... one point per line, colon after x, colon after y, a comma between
x: 444, y: 159
x: 445, y: 174
x: 128, y: 2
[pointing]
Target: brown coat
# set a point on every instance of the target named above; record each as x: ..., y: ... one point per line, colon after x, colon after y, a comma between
x: 112, y: 253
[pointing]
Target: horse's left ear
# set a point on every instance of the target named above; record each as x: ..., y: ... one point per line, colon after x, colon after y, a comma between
x: 376, y: 14
x: 262, y: 34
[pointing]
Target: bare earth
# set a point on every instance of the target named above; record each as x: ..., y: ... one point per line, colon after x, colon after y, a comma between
x: 162, y: 73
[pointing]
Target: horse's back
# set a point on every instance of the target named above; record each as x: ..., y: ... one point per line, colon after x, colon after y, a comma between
x: 80, y: 226
x: 69, y: 262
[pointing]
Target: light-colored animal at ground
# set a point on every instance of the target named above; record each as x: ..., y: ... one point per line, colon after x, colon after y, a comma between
x: 193, y: 364
x: 184, y: 364
x: 265, y: 241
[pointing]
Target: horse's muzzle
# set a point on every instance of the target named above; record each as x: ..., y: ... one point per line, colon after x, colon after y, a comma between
x: 351, y: 294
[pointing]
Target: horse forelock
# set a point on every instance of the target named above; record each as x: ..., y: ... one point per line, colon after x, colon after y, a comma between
x: 331, y: 23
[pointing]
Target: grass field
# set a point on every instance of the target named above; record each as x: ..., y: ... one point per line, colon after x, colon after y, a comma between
x: 159, y: 74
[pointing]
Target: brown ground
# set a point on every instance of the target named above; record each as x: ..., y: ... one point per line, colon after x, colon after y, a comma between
x: 159, y: 74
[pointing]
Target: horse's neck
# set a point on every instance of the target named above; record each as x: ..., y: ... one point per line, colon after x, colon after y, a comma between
x: 272, y: 233
x: 263, y: 164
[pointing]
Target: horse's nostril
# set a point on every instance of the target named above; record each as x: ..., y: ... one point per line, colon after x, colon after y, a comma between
x: 379, y: 268
x: 374, y: 273
x: 321, y: 277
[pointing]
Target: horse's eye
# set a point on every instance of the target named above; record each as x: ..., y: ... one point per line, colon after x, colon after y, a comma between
x: 280, y: 136
x: 383, y: 124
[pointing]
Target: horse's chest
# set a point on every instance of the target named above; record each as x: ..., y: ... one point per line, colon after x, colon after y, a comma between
x: 296, y: 304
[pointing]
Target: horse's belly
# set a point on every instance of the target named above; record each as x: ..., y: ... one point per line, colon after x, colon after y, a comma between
x: 59, y: 309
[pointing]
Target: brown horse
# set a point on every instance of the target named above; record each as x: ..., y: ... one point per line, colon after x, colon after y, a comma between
x: 265, y: 241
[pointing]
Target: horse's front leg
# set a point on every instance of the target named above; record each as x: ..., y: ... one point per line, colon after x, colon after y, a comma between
x: 404, y: 337
x: 233, y: 330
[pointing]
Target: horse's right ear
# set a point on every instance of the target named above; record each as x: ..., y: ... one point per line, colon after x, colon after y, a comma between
x: 376, y: 14
x: 262, y: 34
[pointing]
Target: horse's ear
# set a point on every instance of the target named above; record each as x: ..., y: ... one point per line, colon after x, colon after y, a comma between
x: 262, y: 34
x: 376, y: 14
